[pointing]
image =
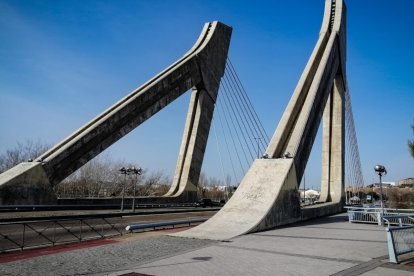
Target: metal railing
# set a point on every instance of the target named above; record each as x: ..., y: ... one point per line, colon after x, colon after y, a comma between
x: 29, y: 234
x: 157, y: 225
x: 375, y: 215
x: 20, y: 208
x: 400, y: 239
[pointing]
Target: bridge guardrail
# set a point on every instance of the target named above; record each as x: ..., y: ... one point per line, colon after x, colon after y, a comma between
x: 375, y: 215
x: 20, y: 235
x: 400, y: 239
x: 30, y: 234
x: 154, y: 226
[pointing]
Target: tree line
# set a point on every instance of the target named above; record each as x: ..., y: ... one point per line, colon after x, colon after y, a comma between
x: 101, y: 177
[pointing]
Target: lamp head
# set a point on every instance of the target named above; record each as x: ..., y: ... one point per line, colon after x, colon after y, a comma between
x: 380, y: 169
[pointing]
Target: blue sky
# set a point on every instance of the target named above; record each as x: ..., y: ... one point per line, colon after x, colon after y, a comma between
x: 63, y: 62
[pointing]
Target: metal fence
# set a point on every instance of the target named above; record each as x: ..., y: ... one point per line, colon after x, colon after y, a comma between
x: 375, y: 215
x: 29, y: 234
x: 157, y: 225
x: 401, y: 238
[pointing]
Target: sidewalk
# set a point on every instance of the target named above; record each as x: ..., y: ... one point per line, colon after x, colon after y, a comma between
x: 328, y: 246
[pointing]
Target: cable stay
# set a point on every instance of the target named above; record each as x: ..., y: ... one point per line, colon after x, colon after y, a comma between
x: 353, y: 170
x: 237, y: 124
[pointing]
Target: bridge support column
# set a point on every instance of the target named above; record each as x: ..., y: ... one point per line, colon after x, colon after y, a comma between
x: 201, y: 68
x: 267, y: 196
x: 193, y: 145
x: 333, y: 145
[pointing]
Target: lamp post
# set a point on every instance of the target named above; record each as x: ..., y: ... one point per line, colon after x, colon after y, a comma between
x: 123, y: 171
x: 136, y: 171
x: 380, y: 170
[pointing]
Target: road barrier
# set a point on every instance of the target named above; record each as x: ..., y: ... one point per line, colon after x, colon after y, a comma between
x: 154, y: 226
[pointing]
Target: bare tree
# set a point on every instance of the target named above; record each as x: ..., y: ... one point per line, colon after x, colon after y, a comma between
x: 22, y: 152
x: 98, y: 177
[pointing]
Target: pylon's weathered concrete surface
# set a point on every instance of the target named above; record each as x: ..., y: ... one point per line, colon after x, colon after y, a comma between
x: 26, y: 183
x: 254, y: 206
x: 268, y: 195
x: 333, y: 153
x: 201, y: 69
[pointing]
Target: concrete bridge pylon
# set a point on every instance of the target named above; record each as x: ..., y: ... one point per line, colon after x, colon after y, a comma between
x: 268, y: 196
x: 199, y: 70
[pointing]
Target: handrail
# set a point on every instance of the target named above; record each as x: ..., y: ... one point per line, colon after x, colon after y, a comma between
x: 400, y: 241
x: 97, y: 216
x: 142, y: 226
x: 41, y: 233
x: 30, y: 234
x: 50, y: 207
x: 388, y: 218
x: 378, y: 215
x: 378, y: 208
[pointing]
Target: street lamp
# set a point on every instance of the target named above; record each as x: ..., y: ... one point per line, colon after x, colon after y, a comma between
x: 123, y: 171
x: 136, y: 171
x: 380, y: 170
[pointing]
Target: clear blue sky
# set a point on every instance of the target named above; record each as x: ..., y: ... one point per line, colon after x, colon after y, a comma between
x: 63, y: 62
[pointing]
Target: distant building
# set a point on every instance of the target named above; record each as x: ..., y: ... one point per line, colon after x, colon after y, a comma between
x: 384, y: 185
x: 407, y: 182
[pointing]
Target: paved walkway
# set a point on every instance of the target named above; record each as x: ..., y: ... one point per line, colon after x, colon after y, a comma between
x: 328, y: 246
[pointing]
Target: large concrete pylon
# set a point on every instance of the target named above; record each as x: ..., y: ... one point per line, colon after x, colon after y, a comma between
x: 268, y: 194
x: 200, y: 69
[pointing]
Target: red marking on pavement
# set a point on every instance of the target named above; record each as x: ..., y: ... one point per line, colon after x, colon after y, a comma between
x: 30, y: 253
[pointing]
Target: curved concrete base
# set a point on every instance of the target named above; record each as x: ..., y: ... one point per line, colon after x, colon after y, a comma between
x: 267, y: 197
x: 26, y: 183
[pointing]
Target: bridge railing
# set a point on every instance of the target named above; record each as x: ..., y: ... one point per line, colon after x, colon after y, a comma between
x: 375, y: 215
x: 155, y: 225
x: 51, y: 232
x: 31, y: 234
x: 400, y: 239
x: 400, y: 227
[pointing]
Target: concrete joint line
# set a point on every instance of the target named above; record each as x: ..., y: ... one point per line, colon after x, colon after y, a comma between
x: 292, y: 254
x: 361, y: 268
x: 317, y: 238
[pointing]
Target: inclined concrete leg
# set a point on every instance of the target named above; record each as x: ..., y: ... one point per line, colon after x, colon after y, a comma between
x: 194, y: 143
x: 27, y: 183
x: 326, y: 152
x: 333, y: 145
x: 337, y: 167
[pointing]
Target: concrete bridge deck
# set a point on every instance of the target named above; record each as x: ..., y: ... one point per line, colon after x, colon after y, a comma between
x: 326, y: 246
